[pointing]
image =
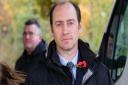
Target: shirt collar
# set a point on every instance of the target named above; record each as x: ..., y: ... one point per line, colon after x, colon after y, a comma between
x: 64, y: 61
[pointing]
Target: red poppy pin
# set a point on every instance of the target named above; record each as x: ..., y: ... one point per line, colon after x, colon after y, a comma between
x: 81, y: 64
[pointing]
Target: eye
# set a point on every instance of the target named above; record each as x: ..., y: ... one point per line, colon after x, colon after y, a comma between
x: 28, y: 33
x: 58, y: 24
x: 70, y: 23
x: 31, y: 33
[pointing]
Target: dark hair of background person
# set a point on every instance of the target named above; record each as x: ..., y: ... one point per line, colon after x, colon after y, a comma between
x: 32, y: 21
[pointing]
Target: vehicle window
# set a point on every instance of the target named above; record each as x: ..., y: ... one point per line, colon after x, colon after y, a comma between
x: 117, y: 49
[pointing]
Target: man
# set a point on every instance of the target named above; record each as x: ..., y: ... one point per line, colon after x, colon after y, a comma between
x: 34, y: 47
x: 69, y: 59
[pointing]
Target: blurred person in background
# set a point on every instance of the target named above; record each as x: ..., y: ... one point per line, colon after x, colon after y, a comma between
x: 34, y: 47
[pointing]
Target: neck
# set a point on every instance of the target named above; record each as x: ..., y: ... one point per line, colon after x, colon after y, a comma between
x: 67, y: 54
x: 29, y: 52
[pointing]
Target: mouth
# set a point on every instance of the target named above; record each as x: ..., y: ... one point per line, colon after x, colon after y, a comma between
x: 27, y: 41
x: 66, y: 39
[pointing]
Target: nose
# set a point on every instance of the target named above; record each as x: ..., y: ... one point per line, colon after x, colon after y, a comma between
x: 65, y: 29
x: 27, y: 36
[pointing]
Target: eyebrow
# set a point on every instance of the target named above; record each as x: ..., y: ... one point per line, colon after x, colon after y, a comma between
x: 70, y: 20
x: 66, y: 20
x: 58, y: 21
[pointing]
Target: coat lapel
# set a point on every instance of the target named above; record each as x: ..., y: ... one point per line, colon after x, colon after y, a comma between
x: 79, y: 74
x: 85, y: 54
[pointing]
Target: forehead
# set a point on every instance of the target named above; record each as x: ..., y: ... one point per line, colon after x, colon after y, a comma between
x: 64, y: 11
x: 31, y: 27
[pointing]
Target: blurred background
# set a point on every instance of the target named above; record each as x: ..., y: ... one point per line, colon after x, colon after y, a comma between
x: 13, y: 14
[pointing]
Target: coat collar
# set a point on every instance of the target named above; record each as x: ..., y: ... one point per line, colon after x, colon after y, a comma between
x: 40, y: 49
x: 85, y: 54
x: 84, y: 51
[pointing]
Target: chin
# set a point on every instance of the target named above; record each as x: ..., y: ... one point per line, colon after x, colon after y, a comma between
x: 67, y: 48
x: 28, y: 47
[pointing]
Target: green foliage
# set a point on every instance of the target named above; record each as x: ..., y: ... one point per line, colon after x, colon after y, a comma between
x: 99, y: 14
x: 94, y: 14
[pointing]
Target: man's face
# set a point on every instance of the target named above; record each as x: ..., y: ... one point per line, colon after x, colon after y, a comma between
x: 31, y: 37
x: 65, y: 28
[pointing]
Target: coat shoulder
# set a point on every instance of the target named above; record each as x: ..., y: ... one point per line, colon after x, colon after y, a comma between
x: 102, y: 75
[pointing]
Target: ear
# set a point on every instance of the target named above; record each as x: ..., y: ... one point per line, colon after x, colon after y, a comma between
x: 51, y: 29
x: 80, y: 27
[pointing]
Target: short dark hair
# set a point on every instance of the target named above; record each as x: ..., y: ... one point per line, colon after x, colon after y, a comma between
x: 77, y: 9
x: 32, y: 21
x: 35, y: 22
